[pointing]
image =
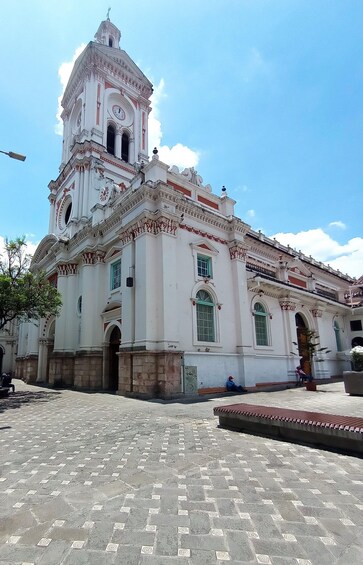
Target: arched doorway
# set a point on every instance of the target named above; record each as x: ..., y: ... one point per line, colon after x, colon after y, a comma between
x: 302, y: 343
x: 114, y: 344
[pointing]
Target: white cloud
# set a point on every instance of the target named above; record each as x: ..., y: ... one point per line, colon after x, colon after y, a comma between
x: 338, y: 224
x: 348, y: 257
x: 64, y: 72
x: 251, y: 213
x: 178, y: 154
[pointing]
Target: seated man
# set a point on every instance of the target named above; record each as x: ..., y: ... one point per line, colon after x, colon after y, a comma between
x: 302, y: 375
x: 6, y: 381
x: 232, y: 387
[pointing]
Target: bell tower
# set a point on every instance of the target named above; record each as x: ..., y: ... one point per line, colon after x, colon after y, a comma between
x: 106, y: 105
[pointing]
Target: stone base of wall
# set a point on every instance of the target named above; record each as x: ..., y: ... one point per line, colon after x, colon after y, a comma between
x: 61, y: 369
x: 149, y: 373
x: 26, y: 368
x: 88, y: 370
x: 19, y: 368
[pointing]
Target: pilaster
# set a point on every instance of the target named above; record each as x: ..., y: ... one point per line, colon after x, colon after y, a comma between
x: 244, y: 338
x: 87, y: 292
x: 288, y: 308
x: 60, y: 327
x: 71, y: 316
x: 86, y: 189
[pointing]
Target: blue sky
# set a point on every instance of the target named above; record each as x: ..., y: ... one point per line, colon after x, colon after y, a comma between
x: 262, y: 96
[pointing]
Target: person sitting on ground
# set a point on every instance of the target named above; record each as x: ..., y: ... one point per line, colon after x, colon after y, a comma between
x: 302, y: 375
x: 232, y: 387
x: 6, y: 381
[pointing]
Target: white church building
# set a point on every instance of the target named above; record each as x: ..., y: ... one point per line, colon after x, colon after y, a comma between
x: 165, y: 291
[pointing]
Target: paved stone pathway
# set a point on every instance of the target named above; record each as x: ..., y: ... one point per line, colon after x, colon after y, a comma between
x: 100, y: 479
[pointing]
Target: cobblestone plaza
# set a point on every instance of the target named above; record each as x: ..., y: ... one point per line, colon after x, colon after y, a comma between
x: 101, y: 479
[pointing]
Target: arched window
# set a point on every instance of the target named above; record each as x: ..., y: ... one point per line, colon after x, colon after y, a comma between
x: 338, y: 336
x: 125, y: 141
x: 300, y: 322
x: 205, y: 316
x: 110, y: 42
x: 260, y: 324
x: 67, y: 214
x: 111, y: 134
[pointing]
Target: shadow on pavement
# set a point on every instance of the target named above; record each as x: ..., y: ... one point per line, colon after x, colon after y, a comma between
x: 19, y: 398
x: 194, y: 399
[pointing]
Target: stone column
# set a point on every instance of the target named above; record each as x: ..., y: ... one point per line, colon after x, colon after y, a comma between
x: 71, y: 317
x: 137, y: 143
x: 319, y: 368
x: 77, y: 194
x: 244, y: 337
x: 51, y: 227
x: 128, y: 293
x: 60, y: 326
x: 165, y: 281
x: 85, y: 192
x: 132, y: 154
x: 42, y: 360
x: 105, y: 366
x: 99, y: 282
x: 87, y: 281
x: 288, y: 308
x: 118, y: 142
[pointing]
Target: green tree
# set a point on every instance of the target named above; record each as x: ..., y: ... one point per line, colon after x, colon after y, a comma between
x: 24, y: 294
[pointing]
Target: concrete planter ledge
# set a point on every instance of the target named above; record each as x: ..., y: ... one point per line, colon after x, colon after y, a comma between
x: 326, y: 430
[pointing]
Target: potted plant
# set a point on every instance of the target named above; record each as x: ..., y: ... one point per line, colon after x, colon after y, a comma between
x: 353, y: 380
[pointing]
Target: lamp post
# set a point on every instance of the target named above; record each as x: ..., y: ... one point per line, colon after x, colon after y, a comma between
x: 13, y: 155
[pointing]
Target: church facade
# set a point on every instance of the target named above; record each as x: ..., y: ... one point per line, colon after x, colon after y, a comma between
x: 164, y: 289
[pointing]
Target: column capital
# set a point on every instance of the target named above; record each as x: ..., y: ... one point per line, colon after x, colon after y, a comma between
x: 72, y: 268
x: 62, y: 269
x: 287, y: 304
x: 316, y: 312
x: 88, y: 258
x: 100, y: 257
x: 237, y: 250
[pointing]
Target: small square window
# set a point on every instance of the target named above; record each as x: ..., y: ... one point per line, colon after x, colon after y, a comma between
x: 204, y: 266
x: 116, y: 275
x: 356, y: 325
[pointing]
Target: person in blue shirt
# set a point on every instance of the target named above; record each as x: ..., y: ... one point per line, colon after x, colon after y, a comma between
x: 232, y: 387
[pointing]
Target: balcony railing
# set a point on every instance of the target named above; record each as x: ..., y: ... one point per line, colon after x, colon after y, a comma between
x: 327, y: 293
x: 260, y: 269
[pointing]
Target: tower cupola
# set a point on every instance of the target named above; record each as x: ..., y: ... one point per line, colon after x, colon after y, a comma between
x: 108, y: 33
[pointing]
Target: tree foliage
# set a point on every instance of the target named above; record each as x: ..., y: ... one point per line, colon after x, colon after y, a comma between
x: 312, y: 345
x: 24, y: 294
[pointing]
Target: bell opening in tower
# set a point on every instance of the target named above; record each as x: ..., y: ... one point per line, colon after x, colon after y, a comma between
x: 125, y: 142
x: 111, y: 135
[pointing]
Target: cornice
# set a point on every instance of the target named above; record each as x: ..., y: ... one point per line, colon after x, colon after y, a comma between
x: 98, y: 64
x: 153, y: 223
x: 275, y: 246
x: 84, y: 153
x: 283, y: 290
x: 263, y: 251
